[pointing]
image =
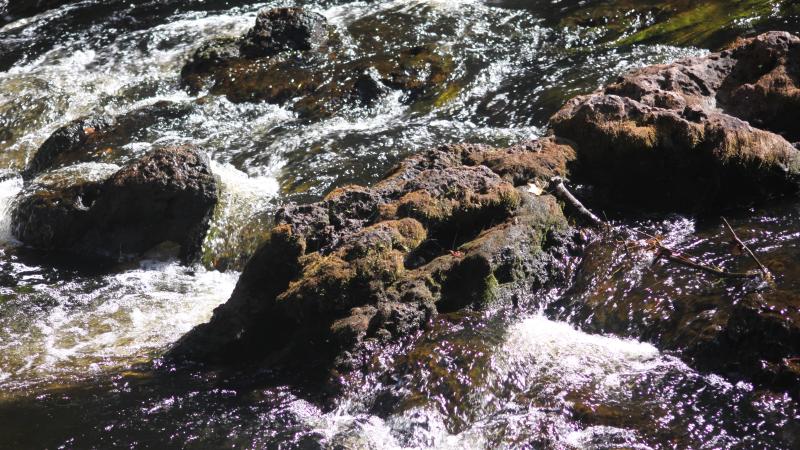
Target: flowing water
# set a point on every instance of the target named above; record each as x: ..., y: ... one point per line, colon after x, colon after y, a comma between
x: 80, y: 344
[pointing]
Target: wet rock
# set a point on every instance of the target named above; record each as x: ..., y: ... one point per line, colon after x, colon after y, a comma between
x: 291, y: 58
x: 101, y: 138
x: 101, y: 210
x: 281, y: 29
x: 677, y: 136
x: 211, y: 56
x: 54, y: 209
x: 365, y: 265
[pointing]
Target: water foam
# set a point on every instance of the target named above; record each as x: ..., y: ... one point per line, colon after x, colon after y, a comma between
x: 8, y: 190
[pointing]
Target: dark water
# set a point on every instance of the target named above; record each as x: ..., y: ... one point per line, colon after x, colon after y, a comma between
x: 79, y: 345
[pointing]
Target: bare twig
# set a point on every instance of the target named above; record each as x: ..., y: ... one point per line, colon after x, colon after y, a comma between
x: 562, y: 193
x: 688, y: 261
x: 559, y: 190
x: 767, y: 274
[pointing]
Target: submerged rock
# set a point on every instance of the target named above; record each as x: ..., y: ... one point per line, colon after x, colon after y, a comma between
x: 100, y: 138
x: 292, y: 57
x: 102, y: 210
x: 738, y: 330
x: 367, y: 265
x: 677, y: 136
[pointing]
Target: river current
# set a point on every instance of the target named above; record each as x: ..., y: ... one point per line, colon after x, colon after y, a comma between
x: 80, y: 345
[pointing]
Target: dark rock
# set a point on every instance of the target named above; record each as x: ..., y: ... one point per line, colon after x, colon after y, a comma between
x: 281, y: 29
x: 54, y: 210
x: 99, y: 139
x: 214, y: 55
x: 96, y: 210
x: 672, y: 136
x: 337, y: 277
x: 59, y: 149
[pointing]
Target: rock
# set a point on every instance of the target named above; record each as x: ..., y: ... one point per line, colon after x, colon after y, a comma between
x: 366, y: 265
x: 214, y: 55
x: 100, y: 138
x: 53, y: 210
x: 291, y: 58
x: 281, y: 29
x: 764, y: 85
x: 672, y: 136
x: 96, y: 210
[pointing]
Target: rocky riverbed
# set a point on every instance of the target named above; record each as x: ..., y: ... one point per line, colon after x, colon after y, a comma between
x: 449, y: 293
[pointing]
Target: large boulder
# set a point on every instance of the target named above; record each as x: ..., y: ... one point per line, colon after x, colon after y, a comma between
x: 101, y: 210
x: 369, y: 265
x: 697, y: 132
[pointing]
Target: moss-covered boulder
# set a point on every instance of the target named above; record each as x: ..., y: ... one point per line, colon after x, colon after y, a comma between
x: 697, y: 132
x: 369, y: 265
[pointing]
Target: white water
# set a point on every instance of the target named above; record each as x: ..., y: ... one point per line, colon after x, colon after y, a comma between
x: 8, y: 189
x: 534, y: 377
x: 80, y: 328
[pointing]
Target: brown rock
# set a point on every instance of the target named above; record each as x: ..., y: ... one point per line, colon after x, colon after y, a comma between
x: 374, y: 263
x: 672, y: 136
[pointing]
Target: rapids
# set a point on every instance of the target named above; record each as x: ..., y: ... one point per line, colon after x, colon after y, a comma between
x: 80, y: 345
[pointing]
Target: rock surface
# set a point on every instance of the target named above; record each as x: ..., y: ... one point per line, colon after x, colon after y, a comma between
x: 282, y: 29
x: 104, y: 211
x: 677, y: 136
x: 736, y: 329
x: 367, y: 265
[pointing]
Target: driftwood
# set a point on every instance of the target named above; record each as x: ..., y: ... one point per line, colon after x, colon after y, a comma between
x: 560, y: 191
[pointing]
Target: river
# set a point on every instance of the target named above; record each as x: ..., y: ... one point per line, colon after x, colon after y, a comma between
x: 81, y: 345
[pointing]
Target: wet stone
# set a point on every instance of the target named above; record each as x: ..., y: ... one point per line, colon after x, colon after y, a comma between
x: 292, y: 58
x: 100, y: 139
x: 281, y: 29
x: 101, y: 210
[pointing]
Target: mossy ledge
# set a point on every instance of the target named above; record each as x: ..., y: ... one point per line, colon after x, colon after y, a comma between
x: 369, y: 265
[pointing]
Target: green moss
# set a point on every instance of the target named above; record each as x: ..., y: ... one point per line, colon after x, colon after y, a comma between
x: 699, y: 23
x: 491, y: 289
